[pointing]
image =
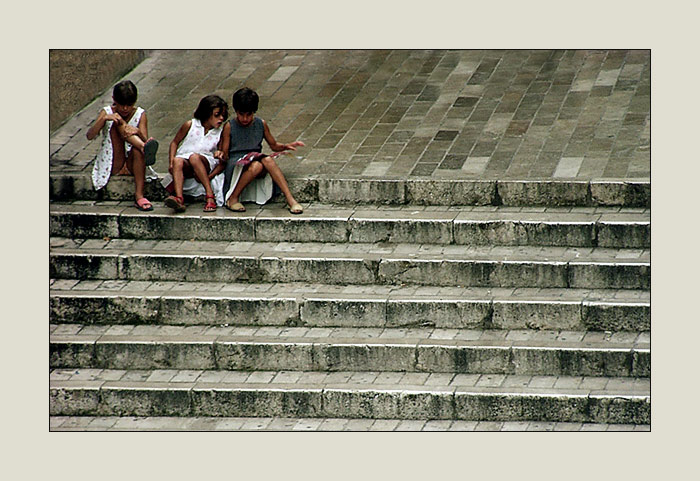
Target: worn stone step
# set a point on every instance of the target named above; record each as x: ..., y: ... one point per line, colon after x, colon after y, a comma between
x: 204, y: 423
x: 327, y: 349
x: 318, y: 305
x: 366, y: 395
x: 585, y: 227
x: 390, y: 264
x: 402, y: 191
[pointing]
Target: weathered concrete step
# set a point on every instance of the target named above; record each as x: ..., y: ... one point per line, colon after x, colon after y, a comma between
x: 393, y: 264
x: 313, y: 305
x: 353, y: 395
x: 419, y: 191
x: 204, y: 423
x: 123, y: 347
x: 608, y: 227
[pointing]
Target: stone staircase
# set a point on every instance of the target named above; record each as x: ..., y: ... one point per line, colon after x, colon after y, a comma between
x: 464, y: 301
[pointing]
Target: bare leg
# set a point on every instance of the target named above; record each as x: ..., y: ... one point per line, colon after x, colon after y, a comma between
x: 277, y: 176
x: 200, y: 167
x: 137, y: 165
x: 180, y: 168
x: 134, y: 140
x: 253, y: 170
x: 118, y: 152
x: 133, y: 164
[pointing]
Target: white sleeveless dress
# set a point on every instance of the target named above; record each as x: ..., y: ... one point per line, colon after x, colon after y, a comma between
x: 197, y: 142
x: 102, y: 169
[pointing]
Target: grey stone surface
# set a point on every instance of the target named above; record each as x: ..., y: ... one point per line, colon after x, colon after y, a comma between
x: 474, y: 252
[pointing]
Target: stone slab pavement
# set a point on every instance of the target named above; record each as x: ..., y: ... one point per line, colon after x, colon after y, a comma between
x: 463, y: 114
x: 131, y: 423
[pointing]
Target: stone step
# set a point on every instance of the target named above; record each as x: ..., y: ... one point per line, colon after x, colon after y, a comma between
x: 327, y: 349
x: 203, y: 423
x: 382, y: 264
x: 585, y: 227
x: 318, y: 305
x: 398, y: 191
x: 365, y: 395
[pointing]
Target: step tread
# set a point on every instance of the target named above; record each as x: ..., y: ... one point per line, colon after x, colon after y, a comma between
x: 200, y: 423
x: 505, y: 384
x: 317, y: 211
x: 79, y: 333
x: 301, y: 290
x: 343, y: 251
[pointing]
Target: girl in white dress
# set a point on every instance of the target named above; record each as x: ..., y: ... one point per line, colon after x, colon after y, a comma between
x: 123, y: 126
x: 196, y: 158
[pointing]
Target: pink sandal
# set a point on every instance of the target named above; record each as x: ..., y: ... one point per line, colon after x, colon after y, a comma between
x: 143, y: 205
x: 210, y: 206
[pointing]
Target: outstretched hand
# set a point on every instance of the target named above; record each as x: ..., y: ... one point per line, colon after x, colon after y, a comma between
x: 294, y: 145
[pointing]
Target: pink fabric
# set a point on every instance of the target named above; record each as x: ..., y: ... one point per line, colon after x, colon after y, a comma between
x: 251, y: 156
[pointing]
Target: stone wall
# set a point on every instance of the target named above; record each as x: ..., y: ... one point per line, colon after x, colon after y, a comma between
x: 76, y: 77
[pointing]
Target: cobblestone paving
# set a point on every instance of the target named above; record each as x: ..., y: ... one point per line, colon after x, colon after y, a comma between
x: 515, y: 114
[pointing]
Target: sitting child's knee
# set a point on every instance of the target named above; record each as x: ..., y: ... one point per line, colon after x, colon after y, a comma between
x: 255, y: 167
x: 268, y: 161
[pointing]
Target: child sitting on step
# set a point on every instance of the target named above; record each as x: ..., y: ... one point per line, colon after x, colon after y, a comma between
x: 246, y: 176
x: 126, y: 147
x: 196, y: 159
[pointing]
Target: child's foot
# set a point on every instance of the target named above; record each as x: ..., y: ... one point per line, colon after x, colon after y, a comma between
x: 295, y: 208
x: 176, y: 203
x: 210, y: 206
x: 149, y: 151
x: 235, y: 206
x: 143, y: 204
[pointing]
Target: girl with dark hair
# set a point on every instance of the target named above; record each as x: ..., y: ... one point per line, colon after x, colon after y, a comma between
x: 123, y: 126
x: 196, y: 159
x: 246, y: 178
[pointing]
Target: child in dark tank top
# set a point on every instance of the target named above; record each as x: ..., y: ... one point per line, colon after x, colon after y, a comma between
x: 247, y: 180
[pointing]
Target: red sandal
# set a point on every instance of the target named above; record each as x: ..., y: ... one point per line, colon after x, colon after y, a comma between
x: 176, y: 203
x: 210, y: 206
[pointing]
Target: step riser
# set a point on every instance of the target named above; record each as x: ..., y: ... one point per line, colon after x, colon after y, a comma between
x: 355, y: 357
x: 466, y: 273
x: 496, y: 314
x: 65, y: 187
x: 508, y: 233
x: 174, y: 400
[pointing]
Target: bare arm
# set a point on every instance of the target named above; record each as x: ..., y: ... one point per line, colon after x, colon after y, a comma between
x: 224, y: 143
x: 143, y: 127
x: 102, y: 119
x: 276, y: 146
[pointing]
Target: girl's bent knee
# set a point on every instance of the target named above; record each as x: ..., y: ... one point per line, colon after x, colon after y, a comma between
x: 255, y: 167
x: 268, y: 161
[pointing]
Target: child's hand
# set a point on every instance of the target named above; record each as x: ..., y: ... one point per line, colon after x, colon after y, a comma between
x: 294, y: 145
x: 130, y: 130
x: 219, y: 155
x: 114, y: 118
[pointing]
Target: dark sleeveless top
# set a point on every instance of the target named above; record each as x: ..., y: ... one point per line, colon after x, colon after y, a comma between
x: 245, y: 139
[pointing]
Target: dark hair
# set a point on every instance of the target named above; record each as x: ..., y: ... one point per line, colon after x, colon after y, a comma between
x: 207, y: 105
x: 125, y: 93
x: 245, y: 100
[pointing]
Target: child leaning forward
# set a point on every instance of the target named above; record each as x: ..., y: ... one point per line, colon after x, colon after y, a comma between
x: 126, y: 148
x: 196, y: 159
